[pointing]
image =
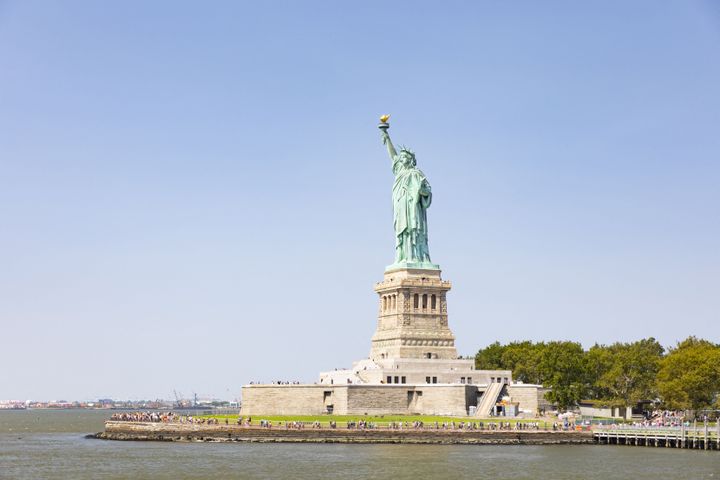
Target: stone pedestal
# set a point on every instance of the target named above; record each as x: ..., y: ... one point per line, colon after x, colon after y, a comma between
x: 412, y: 318
x: 413, y: 366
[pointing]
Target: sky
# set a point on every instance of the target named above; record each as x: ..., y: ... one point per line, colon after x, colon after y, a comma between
x: 194, y: 195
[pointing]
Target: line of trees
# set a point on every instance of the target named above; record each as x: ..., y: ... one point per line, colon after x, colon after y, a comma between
x: 683, y: 377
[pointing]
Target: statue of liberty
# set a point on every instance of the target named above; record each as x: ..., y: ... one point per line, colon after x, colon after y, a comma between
x: 411, y: 197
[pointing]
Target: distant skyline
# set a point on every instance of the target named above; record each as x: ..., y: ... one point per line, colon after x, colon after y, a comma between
x: 194, y: 196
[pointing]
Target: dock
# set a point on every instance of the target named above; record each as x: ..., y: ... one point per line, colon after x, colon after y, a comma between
x: 701, y: 437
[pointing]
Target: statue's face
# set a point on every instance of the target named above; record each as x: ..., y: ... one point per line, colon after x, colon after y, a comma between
x: 407, y: 159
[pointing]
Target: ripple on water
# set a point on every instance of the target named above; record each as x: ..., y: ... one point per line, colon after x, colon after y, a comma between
x: 55, y: 447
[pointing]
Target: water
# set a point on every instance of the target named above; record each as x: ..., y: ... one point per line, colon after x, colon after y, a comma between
x: 50, y: 444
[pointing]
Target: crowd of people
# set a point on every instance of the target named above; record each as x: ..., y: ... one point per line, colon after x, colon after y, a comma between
x: 199, y: 420
x: 164, y: 417
x: 564, y: 425
x: 666, y: 418
x: 361, y: 424
x: 276, y: 382
x: 144, y: 417
x: 415, y: 425
x: 661, y: 419
x: 658, y: 418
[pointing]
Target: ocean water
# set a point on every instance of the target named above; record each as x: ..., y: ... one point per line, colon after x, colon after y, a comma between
x: 41, y: 444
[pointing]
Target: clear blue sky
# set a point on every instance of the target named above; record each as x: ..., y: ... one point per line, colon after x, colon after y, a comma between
x: 194, y: 195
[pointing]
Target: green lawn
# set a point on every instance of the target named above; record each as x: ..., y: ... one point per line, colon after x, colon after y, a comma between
x: 377, y: 419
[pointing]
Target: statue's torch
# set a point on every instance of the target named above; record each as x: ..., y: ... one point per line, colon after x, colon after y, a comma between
x: 384, y: 125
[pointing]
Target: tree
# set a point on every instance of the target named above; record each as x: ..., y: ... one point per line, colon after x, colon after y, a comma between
x: 621, y: 374
x: 490, y: 357
x: 689, y: 376
x: 523, y: 358
x: 520, y: 357
x: 598, y: 361
x: 562, y: 368
x: 624, y: 373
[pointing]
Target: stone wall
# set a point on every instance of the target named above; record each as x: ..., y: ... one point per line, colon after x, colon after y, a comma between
x: 410, y: 399
x: 285, y: 399
x: 448, y: 399
x: 350, y: 399
x: 339, y: 399
x: 235, y: 433
x: 530, y: 397
x: 358, y: 399
x: 378, y: 399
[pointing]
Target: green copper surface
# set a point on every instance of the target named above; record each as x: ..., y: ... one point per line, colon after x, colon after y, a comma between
x: 411, y: 197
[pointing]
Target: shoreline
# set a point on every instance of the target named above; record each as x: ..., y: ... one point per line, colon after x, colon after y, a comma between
x: 179, y: 432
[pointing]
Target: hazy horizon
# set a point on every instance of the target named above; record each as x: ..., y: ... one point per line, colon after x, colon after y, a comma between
x: 195, y: 196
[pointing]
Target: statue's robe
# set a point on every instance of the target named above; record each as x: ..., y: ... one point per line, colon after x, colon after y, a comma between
x: 411, y: 196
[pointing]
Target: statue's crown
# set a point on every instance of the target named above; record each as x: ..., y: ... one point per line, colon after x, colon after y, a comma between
x: 403, y: 148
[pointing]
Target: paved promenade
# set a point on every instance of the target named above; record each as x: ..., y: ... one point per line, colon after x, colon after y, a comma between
x: 185, y: 432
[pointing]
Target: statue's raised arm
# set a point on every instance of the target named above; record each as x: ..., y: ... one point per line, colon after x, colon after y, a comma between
x: 388, y: 143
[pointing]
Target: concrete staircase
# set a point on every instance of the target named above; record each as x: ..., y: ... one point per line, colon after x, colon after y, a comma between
x: 489, y: 399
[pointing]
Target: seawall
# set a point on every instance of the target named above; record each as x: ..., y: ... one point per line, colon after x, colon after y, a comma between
x: 179, y: 432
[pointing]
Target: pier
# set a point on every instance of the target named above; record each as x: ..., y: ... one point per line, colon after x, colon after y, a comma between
x: 694, y: 437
